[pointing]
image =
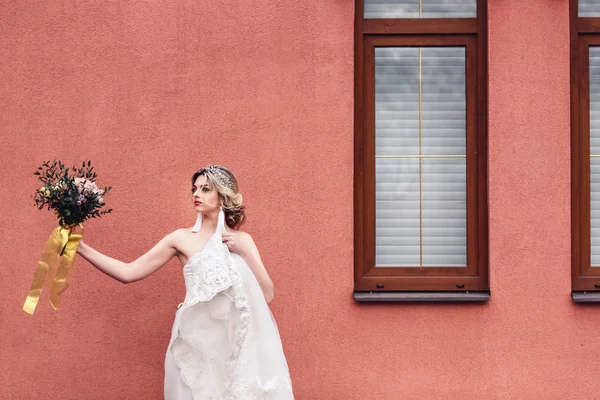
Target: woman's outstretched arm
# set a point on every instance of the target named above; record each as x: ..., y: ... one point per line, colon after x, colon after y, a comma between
x: 136, y: 270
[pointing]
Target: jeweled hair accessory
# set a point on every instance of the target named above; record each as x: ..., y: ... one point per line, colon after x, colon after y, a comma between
x: 221, y: 176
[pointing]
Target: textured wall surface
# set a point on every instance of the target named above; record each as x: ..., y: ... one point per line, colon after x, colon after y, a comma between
x: 152, y: 90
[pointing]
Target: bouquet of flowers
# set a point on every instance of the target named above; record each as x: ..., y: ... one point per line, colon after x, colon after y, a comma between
x: 74, y: 196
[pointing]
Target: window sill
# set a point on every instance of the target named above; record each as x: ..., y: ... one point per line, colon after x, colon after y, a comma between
x: 406, y: 297
x: 586, y: 297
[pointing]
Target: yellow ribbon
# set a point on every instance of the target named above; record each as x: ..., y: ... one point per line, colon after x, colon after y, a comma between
x: 61, y: 245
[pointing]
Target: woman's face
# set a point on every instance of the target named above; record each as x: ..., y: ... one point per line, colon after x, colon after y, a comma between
x: 205, y: 197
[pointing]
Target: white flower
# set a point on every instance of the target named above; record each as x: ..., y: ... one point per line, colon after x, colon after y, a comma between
x: 80, y: 182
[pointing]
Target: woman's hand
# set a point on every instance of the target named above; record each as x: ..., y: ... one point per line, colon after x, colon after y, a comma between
x: 81, y: 246
x: 238, y: 242
x: 243, y: 244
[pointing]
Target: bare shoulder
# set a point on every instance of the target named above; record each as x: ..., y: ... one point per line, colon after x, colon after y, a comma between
x: 252, y: 245
x: 245, y: 235
x: 179, y: 232
x: 175, y: 235
x: 252, y: 248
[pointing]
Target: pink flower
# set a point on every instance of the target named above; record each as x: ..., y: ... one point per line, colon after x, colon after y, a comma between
x: 93, y: 188
x: 80, y: 184
x: 86, y: 186
x: 100, y: 200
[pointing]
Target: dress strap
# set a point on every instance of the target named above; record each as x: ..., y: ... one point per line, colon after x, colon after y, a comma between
x: 220, y: 223
x: 198, y: 224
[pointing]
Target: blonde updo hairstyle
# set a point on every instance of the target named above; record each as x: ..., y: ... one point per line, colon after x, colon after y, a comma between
x: 231, y: 198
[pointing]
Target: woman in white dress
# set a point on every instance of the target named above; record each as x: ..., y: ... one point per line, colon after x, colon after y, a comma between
x: 224, y: 343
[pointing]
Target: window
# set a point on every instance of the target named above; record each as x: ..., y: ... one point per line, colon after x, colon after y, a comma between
x: 585, y: 149
x: 420, y: 202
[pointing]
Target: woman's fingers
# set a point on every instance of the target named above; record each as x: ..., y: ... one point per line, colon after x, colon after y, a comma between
x: 229, y: 240
x: 228, y: 236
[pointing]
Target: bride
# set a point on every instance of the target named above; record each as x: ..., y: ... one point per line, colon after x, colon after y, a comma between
x: 224, y: 342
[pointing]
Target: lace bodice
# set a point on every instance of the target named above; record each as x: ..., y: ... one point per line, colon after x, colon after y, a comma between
x: 209, y: 272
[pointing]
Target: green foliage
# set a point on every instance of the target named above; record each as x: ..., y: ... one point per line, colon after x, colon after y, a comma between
x: 71, y: 192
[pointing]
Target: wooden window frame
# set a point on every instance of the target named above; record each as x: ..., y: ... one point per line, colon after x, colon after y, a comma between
x: 585, y: 278
x: 472, y: 33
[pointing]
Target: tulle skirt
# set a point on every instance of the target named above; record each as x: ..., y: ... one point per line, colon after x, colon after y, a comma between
x: 227, y: 348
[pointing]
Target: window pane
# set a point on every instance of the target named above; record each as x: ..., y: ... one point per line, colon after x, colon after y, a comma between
x: 589, y: 8
x: 420, y: 9
x: 397, y: 100
x: 444, y: 101
x: 595, y: 211
x: 420, y: 169
x: 397, y: 221
x: 444, y: 206
x: 595, y: 154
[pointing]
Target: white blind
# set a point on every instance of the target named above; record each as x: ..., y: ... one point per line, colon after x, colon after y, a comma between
x: 589, y: 8
x: 595, y: 154
x: 420, y: 150
x: 420, y: 9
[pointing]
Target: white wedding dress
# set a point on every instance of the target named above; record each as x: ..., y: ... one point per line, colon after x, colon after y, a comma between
x: 224, y: 343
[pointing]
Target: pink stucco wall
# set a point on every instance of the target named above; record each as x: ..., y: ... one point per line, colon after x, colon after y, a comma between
x: 151, y: 91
